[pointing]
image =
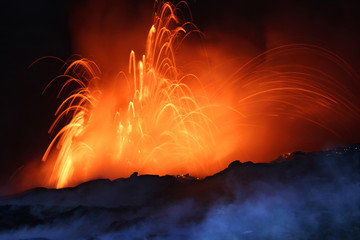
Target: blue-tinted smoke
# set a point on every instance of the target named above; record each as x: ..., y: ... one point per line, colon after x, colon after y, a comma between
x: 308, y: 199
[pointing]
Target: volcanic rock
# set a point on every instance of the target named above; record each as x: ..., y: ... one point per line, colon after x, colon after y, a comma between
x: 297, y: 196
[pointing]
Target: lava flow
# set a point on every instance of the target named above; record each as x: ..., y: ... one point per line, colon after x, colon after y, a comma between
x: 150, y: 120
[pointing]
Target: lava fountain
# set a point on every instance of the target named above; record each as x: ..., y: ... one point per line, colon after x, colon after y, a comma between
x: 149, y: 120
x: 161, y: 128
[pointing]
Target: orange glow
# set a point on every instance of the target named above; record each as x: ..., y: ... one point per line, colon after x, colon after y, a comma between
x: 154, y: 119
x: 161, y: 129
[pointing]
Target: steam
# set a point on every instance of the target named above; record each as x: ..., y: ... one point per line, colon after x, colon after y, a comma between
x: 311, y: 197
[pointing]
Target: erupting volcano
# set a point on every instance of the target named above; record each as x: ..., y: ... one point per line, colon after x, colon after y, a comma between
x: 158, y: 119
x: 216, y: 120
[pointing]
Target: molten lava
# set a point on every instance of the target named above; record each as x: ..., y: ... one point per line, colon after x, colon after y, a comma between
x: 161, y: 128
x: 149, y: 120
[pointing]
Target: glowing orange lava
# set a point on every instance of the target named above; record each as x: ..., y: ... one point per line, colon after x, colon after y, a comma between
x: 151, y: 121
x: 161, y: 129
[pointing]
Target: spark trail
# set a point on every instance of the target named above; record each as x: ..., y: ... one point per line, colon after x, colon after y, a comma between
x: 150, y: 121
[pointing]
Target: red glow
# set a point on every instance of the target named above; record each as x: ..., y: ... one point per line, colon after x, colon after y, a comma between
x: 158, y: 119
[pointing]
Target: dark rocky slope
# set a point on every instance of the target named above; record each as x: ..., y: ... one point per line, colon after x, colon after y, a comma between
x: 298, y: 196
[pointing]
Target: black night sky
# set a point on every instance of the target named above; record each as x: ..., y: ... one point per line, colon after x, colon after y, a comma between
x: 34, y: 29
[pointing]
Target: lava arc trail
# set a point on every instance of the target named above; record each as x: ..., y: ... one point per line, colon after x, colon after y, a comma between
x: 161, y: 129
x: 150, y: 120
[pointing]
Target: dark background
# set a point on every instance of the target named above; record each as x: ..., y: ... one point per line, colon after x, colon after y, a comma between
x: 34, y: 29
